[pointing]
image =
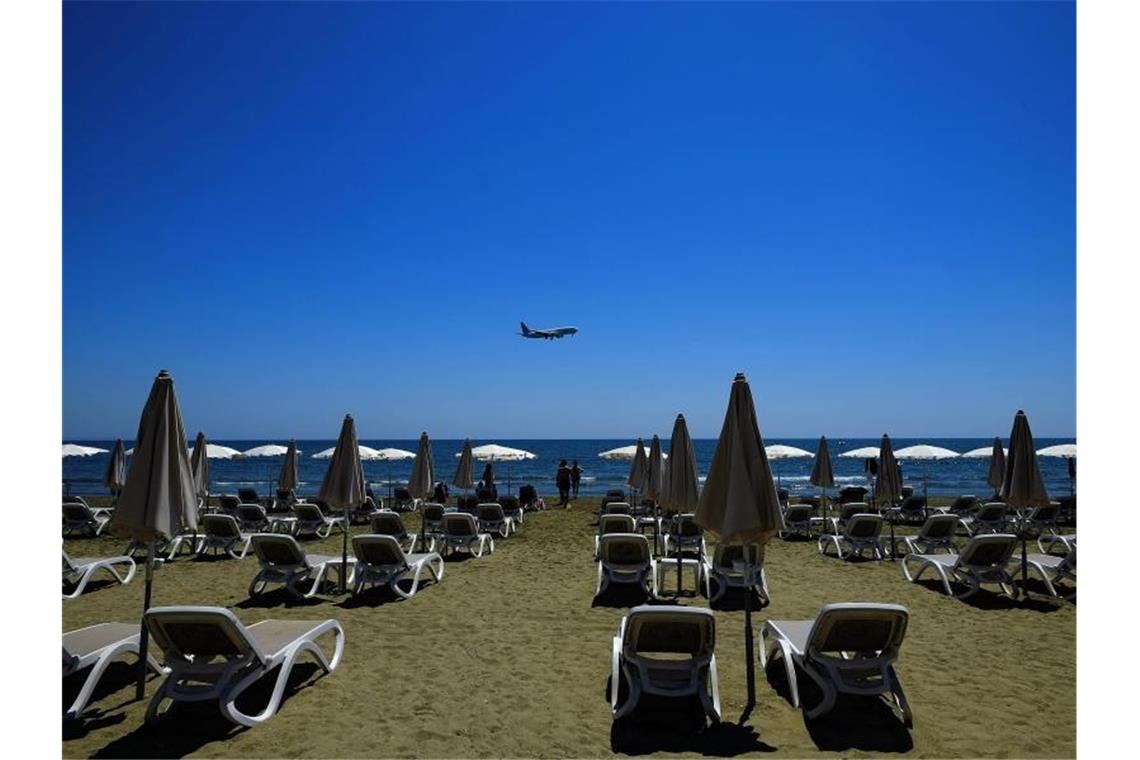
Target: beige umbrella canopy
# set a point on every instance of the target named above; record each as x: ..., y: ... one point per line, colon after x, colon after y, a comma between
x: 997, y: 465
x: 681, y: 492
x: 821, y: 475
x: 655, y: 475
x: 739, y: 501
x: 422, y: 480
x: 158, y: 500
x: 1022, y: 487
x: 464, y: 473
x: 888, y: 484
x: 200, y: 465
x: 343, y: 486
x: 639, y: 469
x: 289, y: 477
x: 116, y: 472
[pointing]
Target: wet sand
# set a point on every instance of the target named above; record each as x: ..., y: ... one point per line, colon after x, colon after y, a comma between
x: 508, y: 657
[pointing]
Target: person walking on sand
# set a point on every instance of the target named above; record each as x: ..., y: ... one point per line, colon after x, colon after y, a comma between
x: 563, y: 481
x: 575, y: 478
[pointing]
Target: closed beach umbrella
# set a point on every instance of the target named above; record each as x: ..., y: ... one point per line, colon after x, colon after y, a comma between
x: 343, y: 486
x: 158, y: 500
x: 997, y: 465
x: 888, y: 484
x: 655, y: 480
x: 1023, y: 487
x: 821, y: 476
x: 422, y: 481
x: 289, y: 477
x: 464, y: 473
x: 116, y: 472
x: 200, y: 466
x: 924, y: 453
x: 680, y: 493
x: 639, y: 468
x: 739, y: 502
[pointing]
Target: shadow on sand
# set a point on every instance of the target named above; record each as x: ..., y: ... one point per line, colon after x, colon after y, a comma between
x: 193, y: 725
x: 860, y: 723
x: 279, y: 597
x: 619, y: 595
x: 665, y: 724
x: 985, y: 599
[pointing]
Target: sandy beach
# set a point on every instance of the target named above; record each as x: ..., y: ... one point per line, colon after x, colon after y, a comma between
x: 507, y: 656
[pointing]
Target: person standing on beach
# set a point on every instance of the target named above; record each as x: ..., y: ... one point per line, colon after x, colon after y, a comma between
x: 575, y: 478
x: 563, y: 481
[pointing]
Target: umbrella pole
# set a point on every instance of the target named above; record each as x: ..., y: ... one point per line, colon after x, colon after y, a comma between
x: 925, y: 498
x: 344, y: 553
x: 144, y: 636
x: 748, y: 644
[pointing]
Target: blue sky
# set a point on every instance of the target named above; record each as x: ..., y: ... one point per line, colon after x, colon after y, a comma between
x: 307, y: 209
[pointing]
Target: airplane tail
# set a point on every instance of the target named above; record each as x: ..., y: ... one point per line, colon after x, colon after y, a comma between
x: 525, y: 329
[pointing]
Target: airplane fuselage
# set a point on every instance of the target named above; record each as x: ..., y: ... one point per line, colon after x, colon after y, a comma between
x: 548, y: 334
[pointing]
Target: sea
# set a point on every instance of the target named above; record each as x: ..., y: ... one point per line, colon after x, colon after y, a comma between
x: 947, y: 477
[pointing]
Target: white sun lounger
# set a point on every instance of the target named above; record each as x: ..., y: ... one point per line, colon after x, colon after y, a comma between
x: 79, y: 571
x: 1051, y: 568
x: 983, y: 560
x: 80, y: 518
x: 667, y: 651
x: 380, y: 560
x: 212, y: 656
x: 626, y: 558
x: 222, y: 533
x: 1046, y: 542
x: 992, y: 517
x: 460, y: 531
x: 95, y: 647
x: 798, y: 520
x: 723, y: 569
x: 283, y: 561
x: 391, y: 524
x: 849, y: 648
x: 613, y: 524
x: 492, y: 519
x: 936, y: 534
x: 310, y: 519
x: 859, y: 534
x: 685, y: 533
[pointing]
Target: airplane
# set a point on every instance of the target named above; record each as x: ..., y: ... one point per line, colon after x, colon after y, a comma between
x: 551, y: 334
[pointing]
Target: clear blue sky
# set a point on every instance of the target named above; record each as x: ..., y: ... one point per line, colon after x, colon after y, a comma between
x: 307, y: 209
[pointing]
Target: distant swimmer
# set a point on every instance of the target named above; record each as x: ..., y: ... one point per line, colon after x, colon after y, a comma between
x: 551, y: 334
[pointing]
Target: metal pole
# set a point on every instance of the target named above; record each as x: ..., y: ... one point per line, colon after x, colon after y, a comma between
x: 344, y: 552
x: 748, y: 645
x: 144, y: 636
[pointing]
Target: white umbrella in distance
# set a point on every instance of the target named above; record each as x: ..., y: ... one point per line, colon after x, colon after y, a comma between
x: 780, y: 451
x: 158, y: 500
x: 267, y: 450
x: 1067, y: 451
x: 388, y: 455
x: 924, y: 453
x: 365, y: 453
x: 493, y: 452
x: 983, y: 452
x: 213, y: 451
x: 626, y: 452
x: 75, y: 450
x: 863, y: 452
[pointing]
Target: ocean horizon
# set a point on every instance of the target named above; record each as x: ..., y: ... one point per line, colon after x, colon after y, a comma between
x: 947, y: 477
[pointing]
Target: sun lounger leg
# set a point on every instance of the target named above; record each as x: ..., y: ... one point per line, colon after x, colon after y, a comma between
x: 900, y: 697
x: 615, y: 675
x: 712, y: 710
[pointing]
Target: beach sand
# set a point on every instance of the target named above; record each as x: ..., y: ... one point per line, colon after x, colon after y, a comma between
x: 507, y: 657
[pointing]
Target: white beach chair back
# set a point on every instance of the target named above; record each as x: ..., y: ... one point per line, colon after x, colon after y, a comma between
x: 251, y: 516
x: 616, y: 524
x: 202, y: 636
x: 388, y: 524
x: 490, y: 512
x: 308, y: 512
x: 798, y: 513
x: 279, y: 551
x: 725, y: 556
x: 379, y: 551
x: 624, y: 550
x: 938, y: 527
x: 617, y: 508
x: 864, y: 526
x: 988, y: 552
x: 459, y: 524
x: 220, y: 526
x: 850, y: 631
